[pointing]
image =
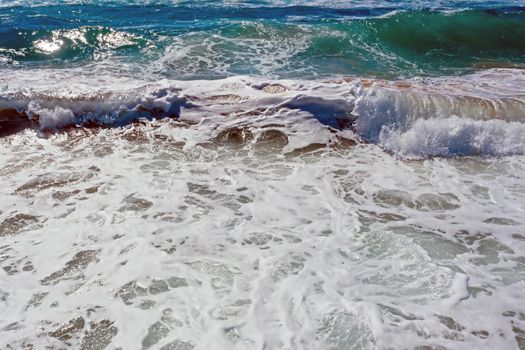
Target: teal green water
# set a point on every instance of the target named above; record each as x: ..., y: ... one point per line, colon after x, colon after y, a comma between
x: 188, y: 42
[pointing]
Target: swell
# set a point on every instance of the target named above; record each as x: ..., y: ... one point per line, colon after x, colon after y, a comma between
x: 428, y: 42
x: 481, y: 114
x: 292, y: 42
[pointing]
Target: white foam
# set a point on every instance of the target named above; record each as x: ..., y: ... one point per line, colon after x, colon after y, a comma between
x: 51, y: 118
x: 200, y: 55
x: 455, y: 137
x: 353, y: 249
x: 413, y: 118
x: 493, y: 94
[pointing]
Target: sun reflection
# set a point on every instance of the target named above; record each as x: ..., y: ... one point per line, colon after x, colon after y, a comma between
x: 97, y: 37
x: 48, y: 46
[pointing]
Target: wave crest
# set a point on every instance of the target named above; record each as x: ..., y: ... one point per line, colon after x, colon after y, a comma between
x: 481, y: 114
x: 455, y: 136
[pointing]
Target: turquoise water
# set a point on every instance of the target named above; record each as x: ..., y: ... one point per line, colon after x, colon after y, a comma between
x: 445, y: 59
x: 204, y: 39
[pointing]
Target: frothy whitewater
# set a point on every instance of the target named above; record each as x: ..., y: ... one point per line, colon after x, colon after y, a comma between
x: 262, y: 175
x: 248, y: 214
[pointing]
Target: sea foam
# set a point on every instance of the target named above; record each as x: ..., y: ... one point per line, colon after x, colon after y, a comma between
x: 455, y: 137
x: 413, y: 118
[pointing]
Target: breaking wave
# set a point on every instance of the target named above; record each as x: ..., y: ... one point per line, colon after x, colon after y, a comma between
x: 476, y: 115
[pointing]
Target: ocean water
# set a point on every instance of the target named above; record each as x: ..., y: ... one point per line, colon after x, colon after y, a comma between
x: 262, y: 174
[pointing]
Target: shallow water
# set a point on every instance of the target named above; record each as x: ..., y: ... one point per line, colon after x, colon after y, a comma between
x: 221, y: 247
x: 262, y: 175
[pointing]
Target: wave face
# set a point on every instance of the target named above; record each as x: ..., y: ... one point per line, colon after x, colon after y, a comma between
x: 212, y: 41
x: 482, y: 114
